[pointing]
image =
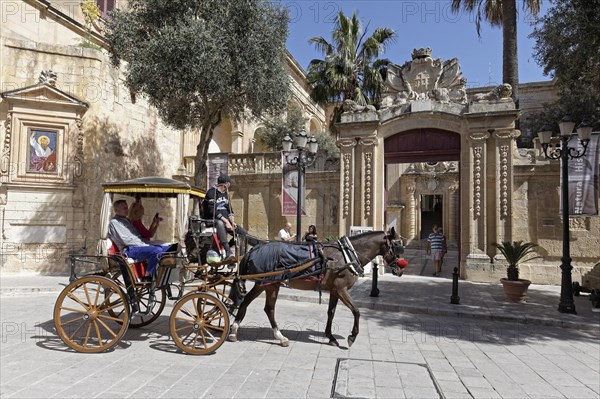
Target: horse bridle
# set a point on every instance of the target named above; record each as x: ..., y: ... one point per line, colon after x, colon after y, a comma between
x: 395, y: 249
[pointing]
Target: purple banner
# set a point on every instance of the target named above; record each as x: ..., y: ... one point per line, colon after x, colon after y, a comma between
x: 289, y: 187
x: 583, y: 179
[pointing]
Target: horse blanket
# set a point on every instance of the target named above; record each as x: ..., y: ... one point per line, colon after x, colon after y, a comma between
x: 281, y: 256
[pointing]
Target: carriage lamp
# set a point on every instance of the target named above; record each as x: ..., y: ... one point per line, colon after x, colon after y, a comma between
x: 555, y: 150
x: 307, y: 150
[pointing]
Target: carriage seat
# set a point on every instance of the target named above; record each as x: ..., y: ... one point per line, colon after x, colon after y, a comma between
x: 138, y: 266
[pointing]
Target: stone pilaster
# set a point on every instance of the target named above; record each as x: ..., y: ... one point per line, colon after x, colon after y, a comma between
x: 476, y: 189
x: 452, y: 229
x: 347, y: 149
x: 504, y: 181
x: 371, y: 203
x: 412, y: 210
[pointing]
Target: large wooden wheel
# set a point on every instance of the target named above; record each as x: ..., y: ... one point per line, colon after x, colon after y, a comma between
x: 222, y: 290
x: 151, y: 303
x: 199, y: 323
x: 91, y: 314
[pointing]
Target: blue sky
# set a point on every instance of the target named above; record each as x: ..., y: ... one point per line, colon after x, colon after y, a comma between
x: 422, y: 23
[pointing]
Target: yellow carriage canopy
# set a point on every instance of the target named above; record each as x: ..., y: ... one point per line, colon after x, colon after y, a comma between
x: 153, y: 186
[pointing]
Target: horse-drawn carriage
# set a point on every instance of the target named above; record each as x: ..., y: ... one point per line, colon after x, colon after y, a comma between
x: 94, y: 311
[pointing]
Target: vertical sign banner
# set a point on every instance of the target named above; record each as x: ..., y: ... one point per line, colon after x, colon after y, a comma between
x: 583, y: 179
x: 289, y: 187
x: 216, y: 164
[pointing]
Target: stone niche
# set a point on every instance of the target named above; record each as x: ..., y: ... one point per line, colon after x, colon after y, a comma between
x: 40, y: 164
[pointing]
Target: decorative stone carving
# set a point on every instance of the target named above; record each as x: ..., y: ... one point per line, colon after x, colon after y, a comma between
x: 368, y: 178
x: 347, y: 143
x: 48, y: 77
x: 504, y: 180
x: 429, y: 168
x: 78, y: 167
x: 352, y: 106
x: 5, y: 160
x: 477, y: 151
x: 422, y: 78
x: 500, y: 93
x: 433, y: 183
x: 346, y: 161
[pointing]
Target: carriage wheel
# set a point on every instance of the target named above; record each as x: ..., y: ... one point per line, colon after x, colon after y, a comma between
x: 91, y: 314
x: 199, y: 323
x: 149, y: 308
x: 221, y: 290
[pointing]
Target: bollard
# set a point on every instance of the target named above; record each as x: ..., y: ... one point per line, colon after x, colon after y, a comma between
x: 374, y: 273
x: 455, y: 299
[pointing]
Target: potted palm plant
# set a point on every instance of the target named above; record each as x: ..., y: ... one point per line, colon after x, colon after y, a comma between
x: 515, y: 252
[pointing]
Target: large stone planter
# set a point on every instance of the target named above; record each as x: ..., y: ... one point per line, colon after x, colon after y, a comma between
x: 515, y: 291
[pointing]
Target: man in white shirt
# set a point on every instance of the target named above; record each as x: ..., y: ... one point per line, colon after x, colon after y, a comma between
x: 284, y: 234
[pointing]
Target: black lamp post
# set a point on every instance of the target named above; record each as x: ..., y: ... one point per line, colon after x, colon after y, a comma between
x: 564, y: 153
x: 307, y: 149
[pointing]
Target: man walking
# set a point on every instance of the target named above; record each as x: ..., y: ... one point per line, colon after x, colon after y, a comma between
x: 435, y: 246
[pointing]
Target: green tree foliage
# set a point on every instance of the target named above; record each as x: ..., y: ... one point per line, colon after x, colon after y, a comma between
x: 277, y: 127
x: 501, y: 13
x: 351, y: 69
x: 568, y: 47
x: 196, y: 60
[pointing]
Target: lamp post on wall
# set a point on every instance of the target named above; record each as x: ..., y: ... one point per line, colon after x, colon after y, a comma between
x: 564, y: 153
x: 307, y: 151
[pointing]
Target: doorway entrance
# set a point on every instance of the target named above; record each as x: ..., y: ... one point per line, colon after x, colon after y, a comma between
x: 432, y: 212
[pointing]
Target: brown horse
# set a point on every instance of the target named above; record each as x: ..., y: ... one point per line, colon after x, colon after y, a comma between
x: 337, y: 278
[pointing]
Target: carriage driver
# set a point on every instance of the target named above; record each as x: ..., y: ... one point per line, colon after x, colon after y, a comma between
x: 129, y: 241
x: 216, y: 206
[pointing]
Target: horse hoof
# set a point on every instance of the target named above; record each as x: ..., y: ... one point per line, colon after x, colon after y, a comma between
x: 285, y: 344
x: 334, y: 342
x: 351, y: 340
x: 232, y: 338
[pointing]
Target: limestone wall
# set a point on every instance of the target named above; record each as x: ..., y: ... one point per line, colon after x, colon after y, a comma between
x: 43, y: 220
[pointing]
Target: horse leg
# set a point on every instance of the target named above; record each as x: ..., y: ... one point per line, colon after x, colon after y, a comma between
x: 250, y: 296
x: 333, y: 301
x: 272, y: 291
x: 347, y: 300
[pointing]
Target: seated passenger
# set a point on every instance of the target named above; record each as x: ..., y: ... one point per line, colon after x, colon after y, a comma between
x: 216, y: 206
x: 130, y: 242
x: 136, y: 213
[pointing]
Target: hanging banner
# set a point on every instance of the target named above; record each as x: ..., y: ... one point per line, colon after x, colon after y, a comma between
x: 583, y: 179
x: 216, y: 164
x: 289, y: 187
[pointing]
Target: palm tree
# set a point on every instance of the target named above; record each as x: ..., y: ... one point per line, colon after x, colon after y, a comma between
x: 501, y: 13
x: 351, y: 68
x: 514, y: 253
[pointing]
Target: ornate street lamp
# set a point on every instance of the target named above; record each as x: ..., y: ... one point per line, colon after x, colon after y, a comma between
x: 307, y: 151
x: 552, y: 150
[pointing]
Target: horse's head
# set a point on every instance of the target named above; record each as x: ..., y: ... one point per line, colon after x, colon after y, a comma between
x: 393, y: 253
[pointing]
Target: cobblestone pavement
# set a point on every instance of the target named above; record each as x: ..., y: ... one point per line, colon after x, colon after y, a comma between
x: 396, y: 355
